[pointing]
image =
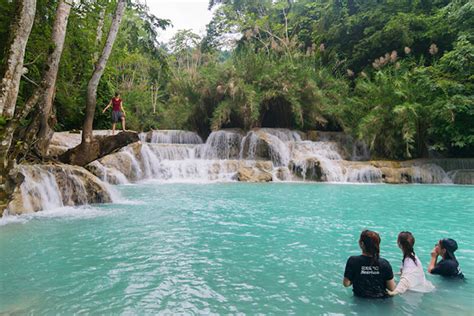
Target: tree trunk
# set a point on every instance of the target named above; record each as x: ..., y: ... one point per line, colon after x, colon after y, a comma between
x: 13, y: 69
x: 45, y: 132
x: 91, y: 100
x: 20, y: 30
x: 100, y: 29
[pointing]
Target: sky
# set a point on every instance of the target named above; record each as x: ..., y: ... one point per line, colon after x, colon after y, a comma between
x: 184, y: 14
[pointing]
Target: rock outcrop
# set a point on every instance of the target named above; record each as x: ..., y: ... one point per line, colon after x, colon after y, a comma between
x: 261, y: 172
x: 38, y: 187
x: 309, y: 169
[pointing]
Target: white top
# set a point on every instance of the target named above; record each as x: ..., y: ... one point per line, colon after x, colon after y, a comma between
x: 413, y: 278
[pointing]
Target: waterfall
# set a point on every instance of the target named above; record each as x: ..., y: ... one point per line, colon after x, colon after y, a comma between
x: 326, y: 153
x: 170, y: 137
x: 53, y: 186
x: 263, y: 145
x: 462, y: 176
x: 39, y: 190
x: 333, y: 157
x: 223, y: 144
x: 364, y: 174
x: 108, y: 175
x: 285, y: 135
x: 429, y: 173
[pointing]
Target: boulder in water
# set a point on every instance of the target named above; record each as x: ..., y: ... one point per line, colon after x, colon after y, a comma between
x: 39, y: 187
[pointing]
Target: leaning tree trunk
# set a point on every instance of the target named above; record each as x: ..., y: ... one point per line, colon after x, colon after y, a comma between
x: 44, y: 132
x: 11, y: 72
x: 91, y: 100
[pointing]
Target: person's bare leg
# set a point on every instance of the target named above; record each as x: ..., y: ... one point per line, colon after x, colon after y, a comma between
x: 123, y: 123
x: 113, y: 128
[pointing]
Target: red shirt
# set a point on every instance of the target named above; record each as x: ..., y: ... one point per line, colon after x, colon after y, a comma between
x: 116, y: 104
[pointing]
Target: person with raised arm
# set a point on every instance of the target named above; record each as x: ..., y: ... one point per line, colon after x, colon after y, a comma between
x: 448, y: 266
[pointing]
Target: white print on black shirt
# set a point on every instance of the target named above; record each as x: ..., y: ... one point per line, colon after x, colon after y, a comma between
x: 369, y: 270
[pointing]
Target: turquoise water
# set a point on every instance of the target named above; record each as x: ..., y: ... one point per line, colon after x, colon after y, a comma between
x: 231, y: 248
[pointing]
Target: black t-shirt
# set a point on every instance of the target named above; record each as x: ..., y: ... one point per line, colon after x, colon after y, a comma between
x: 368, y: 280
x: 448, y: 268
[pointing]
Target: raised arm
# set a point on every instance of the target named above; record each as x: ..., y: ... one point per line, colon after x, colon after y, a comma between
x: 434, y: 259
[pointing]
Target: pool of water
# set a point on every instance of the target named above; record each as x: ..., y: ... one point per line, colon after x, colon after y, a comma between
x: 230, y: 248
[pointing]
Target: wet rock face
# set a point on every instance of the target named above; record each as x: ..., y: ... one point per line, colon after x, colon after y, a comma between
x: 309, y: 169
x: 261, y: 172
x: 39, y: 187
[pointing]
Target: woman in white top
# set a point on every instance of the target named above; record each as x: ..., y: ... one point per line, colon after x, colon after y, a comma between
x: 412, y: 277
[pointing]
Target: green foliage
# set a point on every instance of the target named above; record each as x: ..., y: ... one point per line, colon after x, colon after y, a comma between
x: 395, y: 73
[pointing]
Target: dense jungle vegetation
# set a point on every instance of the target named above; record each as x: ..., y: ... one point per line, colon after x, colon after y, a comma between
x: 395, y: 73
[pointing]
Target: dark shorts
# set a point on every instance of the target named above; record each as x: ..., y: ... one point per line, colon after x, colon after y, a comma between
x: 117, y: 116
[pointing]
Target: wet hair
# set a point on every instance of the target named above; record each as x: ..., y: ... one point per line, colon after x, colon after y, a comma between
x: 406, y: 242
x: 117, y: 94
x: 371, y: 242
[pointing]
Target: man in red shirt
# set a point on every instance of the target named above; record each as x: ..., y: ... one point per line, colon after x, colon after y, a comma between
x: 118, y: 112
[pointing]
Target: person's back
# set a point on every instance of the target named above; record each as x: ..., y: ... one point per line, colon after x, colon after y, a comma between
x: 448, y: 268
x: 413, y: 278
x: 412, y: 275
x: 368, y: 277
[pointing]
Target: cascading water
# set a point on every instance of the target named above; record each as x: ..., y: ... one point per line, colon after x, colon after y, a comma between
x: 263, y: 145
x: 223, y: 144
x: 170, y: 137
x: 334, y: 157
x: 39, y: 190
x: 53, y: 186
x: 326, y: 153
x: 429, y: 173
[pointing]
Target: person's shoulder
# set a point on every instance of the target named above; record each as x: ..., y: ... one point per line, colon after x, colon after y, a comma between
x: 448, y: 263
x: 354, y: 258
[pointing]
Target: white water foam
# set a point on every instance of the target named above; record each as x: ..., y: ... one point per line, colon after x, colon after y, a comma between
x: 66, y: 212
x: 170, y: 137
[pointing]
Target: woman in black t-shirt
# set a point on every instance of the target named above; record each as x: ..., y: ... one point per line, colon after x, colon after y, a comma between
x: 449, y: 265
x: 369, y: 275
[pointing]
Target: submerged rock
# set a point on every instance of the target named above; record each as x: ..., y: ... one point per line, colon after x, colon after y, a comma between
x: 39, y: 187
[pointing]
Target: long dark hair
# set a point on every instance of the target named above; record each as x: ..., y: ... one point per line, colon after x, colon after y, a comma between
x: 371, y: 244
x: 406, y: 242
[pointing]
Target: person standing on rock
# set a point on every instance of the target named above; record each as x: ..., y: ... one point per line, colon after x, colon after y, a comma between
x: 118, y: 112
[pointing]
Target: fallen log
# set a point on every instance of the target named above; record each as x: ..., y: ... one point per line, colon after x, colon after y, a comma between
x: 99, y: 147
